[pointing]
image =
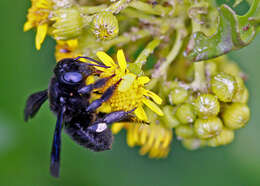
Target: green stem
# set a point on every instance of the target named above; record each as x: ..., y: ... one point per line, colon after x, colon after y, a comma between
x: 126, y: 38
x: 92, y: 9
x: 87, y: 20
x: 150, y: 9
x: 118, y: 6
x: 133, y: 13
x: 171, y: 56
x: 148, y: 50
x: 136, y: 67
x: 199, y: 82
x: 114, y: 8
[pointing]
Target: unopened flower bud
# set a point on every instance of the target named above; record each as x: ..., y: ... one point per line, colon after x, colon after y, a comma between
x: 184, y: 131
x: 104, y: 26
x: 241, y: 94
x: 185, y: 113
x: 225, y: 137
x: 207, y: 105
x: 207, y: 128
x: 236, y: 115
x: 68, y: 23
x: 193, y: 143
x: 178, y: 95
x: 169, y: 119
x: 211, y: 68
x: 223, y: 86
x: 229, y: 67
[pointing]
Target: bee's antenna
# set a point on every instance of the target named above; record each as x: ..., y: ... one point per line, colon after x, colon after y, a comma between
x: 99, y: 64
x: 88, y: 58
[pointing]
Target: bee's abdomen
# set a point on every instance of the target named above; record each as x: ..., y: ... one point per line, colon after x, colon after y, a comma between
x: 92, y: 140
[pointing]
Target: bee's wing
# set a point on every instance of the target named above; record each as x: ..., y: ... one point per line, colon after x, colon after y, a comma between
x: 56, y: 146
x: 33, y: 103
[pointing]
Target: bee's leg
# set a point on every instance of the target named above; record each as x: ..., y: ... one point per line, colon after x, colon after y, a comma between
x: 98, y: 102
x: 56, y: 145
x: 90, y: 139
x: 97, y: 84
x: 101, y: 124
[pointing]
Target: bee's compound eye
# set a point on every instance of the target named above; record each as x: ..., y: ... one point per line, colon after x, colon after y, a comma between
x: 72, y: 77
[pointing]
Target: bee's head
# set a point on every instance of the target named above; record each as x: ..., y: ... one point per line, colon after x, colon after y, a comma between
x: 71, y: 72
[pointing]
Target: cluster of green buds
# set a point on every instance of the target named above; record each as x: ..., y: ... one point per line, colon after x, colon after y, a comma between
x: 208, y: 117
x: 171, y: 49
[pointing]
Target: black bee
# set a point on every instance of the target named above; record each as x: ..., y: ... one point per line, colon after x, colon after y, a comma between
x: 69, y: 98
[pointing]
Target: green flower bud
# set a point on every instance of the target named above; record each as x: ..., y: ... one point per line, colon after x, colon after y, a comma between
x: 169, y: 119
x: 193, y: 143
x: 185, y: 113
x: 178, y: 95
x: 223, y: 86
x: 241, y: 94
x: 236, y: 115
x: 244, y: 96
x: 229, y: 68
x: 208, y: 128
x: 225, y: 137
x: 211, y: 68
x: 184, y: 131
x: 207, y: 105
x: 68, y: 23
x: 104, y: 26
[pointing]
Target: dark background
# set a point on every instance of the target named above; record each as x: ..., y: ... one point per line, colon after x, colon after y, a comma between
x: 25, y: 147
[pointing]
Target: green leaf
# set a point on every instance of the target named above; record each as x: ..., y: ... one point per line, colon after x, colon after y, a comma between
x: 234, y: 32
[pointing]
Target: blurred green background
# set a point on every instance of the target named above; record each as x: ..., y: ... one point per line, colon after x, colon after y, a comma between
x: 25, y: 147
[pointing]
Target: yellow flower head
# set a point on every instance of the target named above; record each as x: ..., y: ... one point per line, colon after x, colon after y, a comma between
x: 130, y: 93
x: 38, y: 17
x: 66, y: 49
x: 154, y: 139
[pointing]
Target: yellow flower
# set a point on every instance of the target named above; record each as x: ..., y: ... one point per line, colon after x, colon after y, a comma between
x: 154, y: 139
x: 130, y: 93
x: 66, y: 49
x: 38, y: 17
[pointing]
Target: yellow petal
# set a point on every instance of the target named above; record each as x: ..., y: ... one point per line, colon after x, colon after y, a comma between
x: 130, y: 137
x: 135, y: 132
x: 90, y: 80
x: 40, y: 35
x: 165, y: 153
x: 106, y: 59
x: 151, y: 137
x: 159, y: 137
x: 143, y: 80
x: 105, y: 107
x: 153, y: 106
x: 144, y: 149
x: 154, y: 153
x: 144, y: 134
x: 161, y: 152
x: 73, y: 43
x: 27, y: 26
x: 121, y: 60
x: 140, y: 113
x: 127, y: 82
x: 117, y: 127
x: 167, y: 139
x: 154, y: 97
